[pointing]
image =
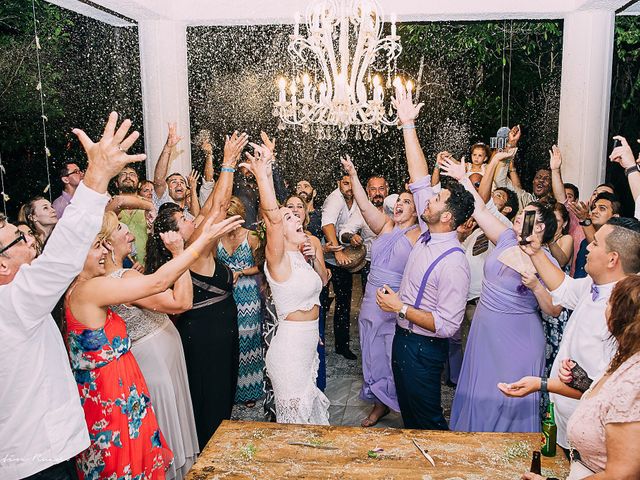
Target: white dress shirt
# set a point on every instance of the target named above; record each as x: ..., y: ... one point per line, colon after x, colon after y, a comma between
x: 586, y: 339
x: 476, y: 263
x: 357, y: 224
x: 165, y: 198
x: 41, y: 420
x: 336, y: 212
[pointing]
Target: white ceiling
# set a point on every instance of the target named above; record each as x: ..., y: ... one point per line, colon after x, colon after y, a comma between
x: 255, y: 12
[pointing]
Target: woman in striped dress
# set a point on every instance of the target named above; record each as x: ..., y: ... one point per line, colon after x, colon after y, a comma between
x: 237, y: 251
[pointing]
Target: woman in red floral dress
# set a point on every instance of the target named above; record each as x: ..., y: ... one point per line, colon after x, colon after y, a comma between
x: 126, y: 442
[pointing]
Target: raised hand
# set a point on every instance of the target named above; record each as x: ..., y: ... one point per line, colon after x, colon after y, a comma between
x: 206, y: 147
x: 172, y: 136
x: 233, y: 147
x: 356, y: 240
x: 213, y: 231
x: 441, y: 157
x: 347, y: 164
x: 534, y: 245
x: 260, y: 162
x: 579, y: 209
x: 194, y: 176
x: 453, y: 169
x: 622, y: 154
x: 514, y: 136
x: 555, y: 158
x: 109, y: 155
x: 407, y: 110
x: 173, y: 241
x: 270, y: 143
x: 505, y: 154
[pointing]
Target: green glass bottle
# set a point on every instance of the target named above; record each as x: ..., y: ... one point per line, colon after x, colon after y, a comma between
x: 549, y: 433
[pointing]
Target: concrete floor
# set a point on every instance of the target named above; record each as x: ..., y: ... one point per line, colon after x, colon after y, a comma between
x: 344, y: 380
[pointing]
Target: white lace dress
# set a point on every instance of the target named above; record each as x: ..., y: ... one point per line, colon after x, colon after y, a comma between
x: 157, y: 347
x: 292, y: 358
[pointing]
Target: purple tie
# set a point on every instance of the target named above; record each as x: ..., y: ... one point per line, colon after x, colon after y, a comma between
x: 425, y: 237
x: 594, y: 292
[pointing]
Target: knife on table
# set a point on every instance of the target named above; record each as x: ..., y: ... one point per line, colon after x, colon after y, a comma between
x: 424, y: 452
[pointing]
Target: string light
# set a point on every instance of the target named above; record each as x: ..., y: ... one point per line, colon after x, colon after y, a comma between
x: 47, y: 153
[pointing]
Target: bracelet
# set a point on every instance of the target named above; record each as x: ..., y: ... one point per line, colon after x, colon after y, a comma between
x: 409, y: 127
x: 194, y: 254
x: 228, y: 169
x: 630, y: 170
x: 543, y: 385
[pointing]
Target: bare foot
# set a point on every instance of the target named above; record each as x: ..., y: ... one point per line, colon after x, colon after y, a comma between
x: 379, y: 411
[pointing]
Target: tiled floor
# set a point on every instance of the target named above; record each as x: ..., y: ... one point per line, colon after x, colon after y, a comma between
x: 344, y: 380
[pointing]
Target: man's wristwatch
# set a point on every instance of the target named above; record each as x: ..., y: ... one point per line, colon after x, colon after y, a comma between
x: 586, y: 222
x: 403, y: 311
x: 630, y: 170
x: 543, y: 385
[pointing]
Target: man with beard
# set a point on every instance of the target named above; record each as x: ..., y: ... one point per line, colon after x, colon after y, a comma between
x: 432, y: 297
x: 356, y: 231
x: 132, y: 210
x: 70, y: 176
x: 306, y: 192
x: 172, y: 188
x: 336, y: 212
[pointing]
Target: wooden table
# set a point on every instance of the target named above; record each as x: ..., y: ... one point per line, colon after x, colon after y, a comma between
x: 247, y: 450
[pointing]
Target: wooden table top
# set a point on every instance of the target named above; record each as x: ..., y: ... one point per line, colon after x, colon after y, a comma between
x: 247, y: 450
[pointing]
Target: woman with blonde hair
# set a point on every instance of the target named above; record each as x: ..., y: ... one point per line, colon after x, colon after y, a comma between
x: 156, y: 345
x: 237, y: 250
x: 41, y: 217
x: 126, y: 439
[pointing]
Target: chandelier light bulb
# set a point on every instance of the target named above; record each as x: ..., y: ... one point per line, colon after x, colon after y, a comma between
x: 306, y: 80
x: 376, y: 81
x: 409, y: 86
x: 397, y: 82
x: 293, y: 88
x: 393, y: 24
x: 282, y: 85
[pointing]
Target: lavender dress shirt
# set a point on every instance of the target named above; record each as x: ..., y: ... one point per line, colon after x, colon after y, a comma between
x: 446, y: 293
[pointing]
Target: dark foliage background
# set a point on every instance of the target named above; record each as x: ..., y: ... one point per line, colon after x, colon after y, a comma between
x: 89, y: 69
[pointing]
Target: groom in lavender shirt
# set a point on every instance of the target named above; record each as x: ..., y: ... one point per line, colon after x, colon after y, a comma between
x: 432, y: 297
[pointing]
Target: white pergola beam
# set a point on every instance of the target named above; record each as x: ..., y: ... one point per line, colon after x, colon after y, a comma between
x: 585, y: 96
x: 165, y: 92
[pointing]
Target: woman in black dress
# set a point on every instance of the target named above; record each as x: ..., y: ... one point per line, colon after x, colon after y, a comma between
x: 209, y: 331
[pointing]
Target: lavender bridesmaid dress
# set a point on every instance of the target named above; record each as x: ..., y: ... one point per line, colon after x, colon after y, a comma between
x: 389, y: 254
x: 506, y: 342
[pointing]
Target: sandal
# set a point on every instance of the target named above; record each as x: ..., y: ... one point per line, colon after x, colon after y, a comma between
x: 370, y: 422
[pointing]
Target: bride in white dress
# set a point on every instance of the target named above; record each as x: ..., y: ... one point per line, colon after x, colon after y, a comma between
x: 296, y: 279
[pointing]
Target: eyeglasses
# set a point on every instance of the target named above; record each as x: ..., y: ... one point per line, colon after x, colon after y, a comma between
x: 73, y: 172
x: 20, y: 238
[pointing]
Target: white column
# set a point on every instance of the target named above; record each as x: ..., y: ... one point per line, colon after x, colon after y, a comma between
x: 585, y: 97
x: 165, y: 92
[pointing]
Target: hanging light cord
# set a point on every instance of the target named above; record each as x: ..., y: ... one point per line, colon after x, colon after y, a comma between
x: 509, y: 78
x: 504, y: 47
x: 39, y: 88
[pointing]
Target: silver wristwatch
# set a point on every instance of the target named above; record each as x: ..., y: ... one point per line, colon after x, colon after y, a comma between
x: 403, y: 311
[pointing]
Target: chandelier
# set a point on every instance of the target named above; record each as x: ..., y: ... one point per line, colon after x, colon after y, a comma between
x: 338, y: 79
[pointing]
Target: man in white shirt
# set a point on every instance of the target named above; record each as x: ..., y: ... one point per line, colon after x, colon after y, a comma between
x: 42, y: 423
x: 336, y: 211
x: 172, y: 188
x: 613, y: 254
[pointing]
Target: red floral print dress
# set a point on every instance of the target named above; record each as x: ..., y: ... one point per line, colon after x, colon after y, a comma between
x: 126, y: 442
